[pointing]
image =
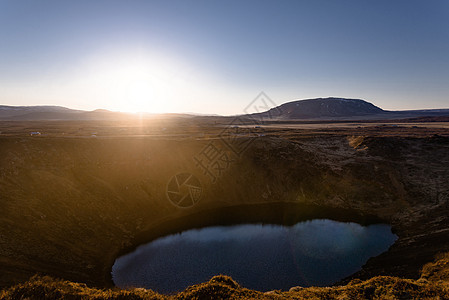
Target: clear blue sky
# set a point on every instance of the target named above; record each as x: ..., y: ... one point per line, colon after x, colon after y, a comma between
x: 216, y: 56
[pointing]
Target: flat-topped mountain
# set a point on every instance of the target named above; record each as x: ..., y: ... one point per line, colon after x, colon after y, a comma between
x: 340, y: 109
x: 324, y: 108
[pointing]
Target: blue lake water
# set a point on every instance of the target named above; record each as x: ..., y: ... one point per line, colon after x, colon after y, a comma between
x: 262, y: 257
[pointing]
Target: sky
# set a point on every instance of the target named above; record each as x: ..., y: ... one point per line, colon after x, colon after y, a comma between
x: 217, y: 56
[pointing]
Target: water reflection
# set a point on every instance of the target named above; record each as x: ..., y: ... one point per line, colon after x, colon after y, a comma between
x: 262, y: 257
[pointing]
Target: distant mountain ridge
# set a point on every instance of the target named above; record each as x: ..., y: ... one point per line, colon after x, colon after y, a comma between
x: 333, y: 108
x: 16, y: 111
x: 325, y: 108
x: 48, y: 112
x: 328, y: 109
x: 60, y: 113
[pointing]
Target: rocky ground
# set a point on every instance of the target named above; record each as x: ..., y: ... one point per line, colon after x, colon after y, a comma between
x: 71, y: 202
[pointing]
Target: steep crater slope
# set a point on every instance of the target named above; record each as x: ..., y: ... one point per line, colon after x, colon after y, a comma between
x: 71, y: 205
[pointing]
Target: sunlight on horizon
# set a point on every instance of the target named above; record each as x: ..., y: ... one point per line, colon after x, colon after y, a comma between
x: 137, y: 83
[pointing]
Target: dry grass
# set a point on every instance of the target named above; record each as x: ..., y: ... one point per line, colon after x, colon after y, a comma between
x: 433, y: 284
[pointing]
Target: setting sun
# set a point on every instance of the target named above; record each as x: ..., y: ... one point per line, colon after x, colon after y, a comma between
x: 136, y: 84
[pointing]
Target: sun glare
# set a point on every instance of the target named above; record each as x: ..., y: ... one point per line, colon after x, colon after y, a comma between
x: 141, y: 89
x: 137, y: 84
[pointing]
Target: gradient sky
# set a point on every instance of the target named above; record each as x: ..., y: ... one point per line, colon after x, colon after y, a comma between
x: 216, y: 56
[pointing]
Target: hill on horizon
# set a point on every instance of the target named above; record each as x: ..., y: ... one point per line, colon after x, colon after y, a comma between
x: 323, y: 108
x: 49, y: 112
x: 334, y: 108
